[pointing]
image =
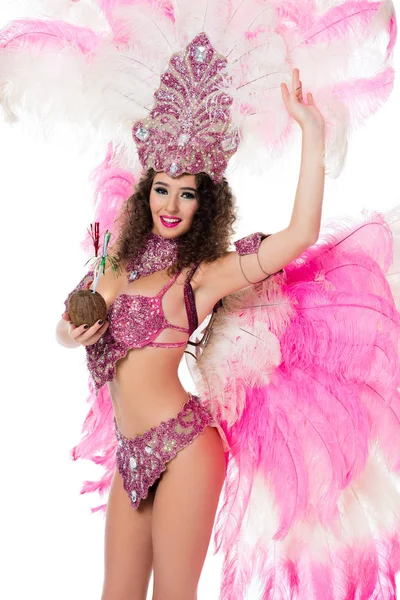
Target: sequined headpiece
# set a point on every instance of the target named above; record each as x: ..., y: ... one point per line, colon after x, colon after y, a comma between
x: 189, y: 129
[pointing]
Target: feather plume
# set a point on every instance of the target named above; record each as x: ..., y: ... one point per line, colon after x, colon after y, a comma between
x: 106, y: 77
x: 39, y: 35
x: 349, y: 19
x: 145, y: 27
x: 98, y: 442
x: 109, y: 7
x: 320, y: 432
x: 364, y: 97
x: 113, y: 186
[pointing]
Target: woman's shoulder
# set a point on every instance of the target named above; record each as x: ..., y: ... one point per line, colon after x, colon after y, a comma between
x: 198, y: 273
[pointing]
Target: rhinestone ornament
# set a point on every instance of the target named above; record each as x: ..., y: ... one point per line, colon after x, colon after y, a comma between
x: 142, y: 134
x: 200, y: 53
x: 183, y: 139
x: 133, y: 275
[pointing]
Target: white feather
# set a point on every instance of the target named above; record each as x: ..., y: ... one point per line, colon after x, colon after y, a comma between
x: 85, y: 13
x: 115, y: 87
x: 243, y: 335
x: 361, y: 514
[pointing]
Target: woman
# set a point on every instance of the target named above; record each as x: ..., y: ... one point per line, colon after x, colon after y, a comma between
x: 170, y: 529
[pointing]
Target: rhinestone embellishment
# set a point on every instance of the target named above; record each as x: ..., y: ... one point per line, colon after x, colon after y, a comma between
x: 134, y: 496
x: 133, y: 275
x: 142, y: 134
x: 183, y: 139
x: 132, y: 463
x: 229, y: 144
x: 200, y: 54
x: 174, y: 168
x: 148, y: 450
x: 169, y: 445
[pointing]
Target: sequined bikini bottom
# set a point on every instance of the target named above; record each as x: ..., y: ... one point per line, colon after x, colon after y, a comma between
x: 141, y: 460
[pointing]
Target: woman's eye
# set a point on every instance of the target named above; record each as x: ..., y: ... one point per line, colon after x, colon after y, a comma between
x: 189, y: 195
x: 160, y: 190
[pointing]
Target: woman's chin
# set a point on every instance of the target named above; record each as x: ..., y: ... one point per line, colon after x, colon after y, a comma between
x: 168, y: 232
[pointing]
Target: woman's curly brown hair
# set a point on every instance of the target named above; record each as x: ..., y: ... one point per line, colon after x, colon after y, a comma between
x: 209, y: 236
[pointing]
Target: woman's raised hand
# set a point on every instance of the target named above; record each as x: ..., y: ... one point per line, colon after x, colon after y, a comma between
x: 84, y: 335
x: 307, y: 115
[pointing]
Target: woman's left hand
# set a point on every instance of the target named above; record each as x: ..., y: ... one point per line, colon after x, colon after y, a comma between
x: 307, y: 115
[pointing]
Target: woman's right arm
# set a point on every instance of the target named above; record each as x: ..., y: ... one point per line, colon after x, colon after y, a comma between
x: 70, y: 336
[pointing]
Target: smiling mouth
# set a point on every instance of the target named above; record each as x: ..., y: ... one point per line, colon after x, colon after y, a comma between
x: 170, y: 221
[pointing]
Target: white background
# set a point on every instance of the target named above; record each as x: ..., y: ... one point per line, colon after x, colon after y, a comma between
x: 52, y: 546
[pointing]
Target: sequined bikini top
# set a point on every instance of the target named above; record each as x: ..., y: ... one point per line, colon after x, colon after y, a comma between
x: 135, y: 321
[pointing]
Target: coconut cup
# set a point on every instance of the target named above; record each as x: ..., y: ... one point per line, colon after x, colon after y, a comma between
x: 86, y: 307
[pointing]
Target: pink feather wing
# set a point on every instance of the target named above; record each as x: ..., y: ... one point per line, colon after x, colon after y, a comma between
x: 323, y: 425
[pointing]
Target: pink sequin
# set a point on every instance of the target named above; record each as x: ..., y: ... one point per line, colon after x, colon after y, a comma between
x: 189, y: 128
x: 249, y: 244
x: 159, y: 253
x: 141, y: 460
x: 135, y: 320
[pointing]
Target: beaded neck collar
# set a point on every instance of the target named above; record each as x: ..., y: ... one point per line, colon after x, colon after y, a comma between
x: 159, y: 253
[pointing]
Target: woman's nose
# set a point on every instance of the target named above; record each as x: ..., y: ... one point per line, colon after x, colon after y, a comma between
x: 172, y: 204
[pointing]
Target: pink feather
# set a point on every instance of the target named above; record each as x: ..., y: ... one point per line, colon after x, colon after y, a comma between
x: 308, y: 433
x: 364, y: 97
x: 352, y: 18
x: 109, y: 6
x: 98, y: 442
x: 113, y: 186
x: 28, y: 34
x: 392, y: 35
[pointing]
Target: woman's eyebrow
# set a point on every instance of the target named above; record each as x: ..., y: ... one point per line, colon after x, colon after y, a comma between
x: 167, y: 185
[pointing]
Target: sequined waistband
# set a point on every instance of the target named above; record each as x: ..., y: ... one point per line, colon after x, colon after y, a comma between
x: 192, y: 402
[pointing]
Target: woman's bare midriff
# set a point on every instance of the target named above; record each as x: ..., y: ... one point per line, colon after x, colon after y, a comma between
x: 146, y: 389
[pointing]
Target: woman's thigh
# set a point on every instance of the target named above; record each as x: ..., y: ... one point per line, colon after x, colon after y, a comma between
x: 183, y: 515
x: 128, y: 545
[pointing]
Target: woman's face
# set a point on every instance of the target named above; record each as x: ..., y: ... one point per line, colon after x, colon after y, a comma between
x: 173, y: 203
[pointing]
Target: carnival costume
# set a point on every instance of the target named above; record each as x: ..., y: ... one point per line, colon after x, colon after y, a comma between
x: 300, y: 372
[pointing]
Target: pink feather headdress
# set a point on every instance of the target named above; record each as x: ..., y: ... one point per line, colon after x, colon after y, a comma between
x: 104, y: 76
